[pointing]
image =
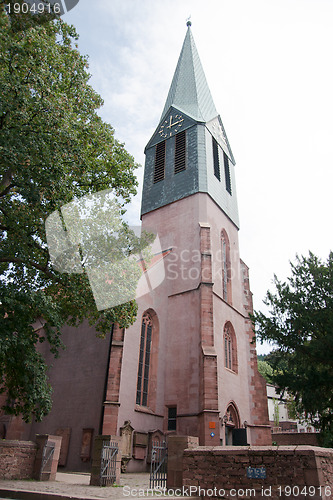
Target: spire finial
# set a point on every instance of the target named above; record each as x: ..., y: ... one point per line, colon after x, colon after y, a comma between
x: 188, y: 22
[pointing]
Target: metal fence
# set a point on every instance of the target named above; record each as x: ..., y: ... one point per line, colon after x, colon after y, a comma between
x: 47, y: 457
x: 158, y: 466
x: 108, y: 463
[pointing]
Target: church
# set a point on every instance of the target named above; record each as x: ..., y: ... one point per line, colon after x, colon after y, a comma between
x: 187, y: 365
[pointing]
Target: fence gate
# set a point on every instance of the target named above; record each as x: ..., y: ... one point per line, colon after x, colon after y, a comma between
x: 47, y: 457
x: 108, y: 463
x: 158, y: 466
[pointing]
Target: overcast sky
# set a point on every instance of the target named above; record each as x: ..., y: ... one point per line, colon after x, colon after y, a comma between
x: 269, y: 67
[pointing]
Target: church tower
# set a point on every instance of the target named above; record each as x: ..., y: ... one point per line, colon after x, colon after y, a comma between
x: 189, y: 365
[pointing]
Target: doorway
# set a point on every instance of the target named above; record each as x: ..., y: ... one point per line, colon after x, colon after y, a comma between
x: 234, y: 434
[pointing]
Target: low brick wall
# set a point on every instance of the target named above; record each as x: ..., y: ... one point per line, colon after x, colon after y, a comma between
x: 295, y: 438
x: 233, y: 472
x: 17, y: 459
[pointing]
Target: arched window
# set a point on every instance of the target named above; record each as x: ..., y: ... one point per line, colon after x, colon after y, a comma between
x: 144, y: 360
x: 227, y: 350
x: 230, y: 348
x: 226, y: 267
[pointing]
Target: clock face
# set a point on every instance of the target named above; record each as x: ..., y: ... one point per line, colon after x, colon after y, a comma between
x: 219, y: 133
x: 171, y: 126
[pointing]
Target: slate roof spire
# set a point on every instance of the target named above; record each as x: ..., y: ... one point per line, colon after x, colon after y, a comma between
x: 189, y: 91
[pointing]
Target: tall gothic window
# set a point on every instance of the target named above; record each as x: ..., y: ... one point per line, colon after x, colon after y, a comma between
x: 230, y: 348
x: 227, y: 350
x: 180, y: 151
x: 226, y: 267
x: 159, y: 162
x: 144, y: 360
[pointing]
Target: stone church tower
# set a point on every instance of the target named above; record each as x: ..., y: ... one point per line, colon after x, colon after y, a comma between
x: 187, y: 364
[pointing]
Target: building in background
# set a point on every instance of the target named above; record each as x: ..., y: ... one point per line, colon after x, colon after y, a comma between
x: 280, y: 414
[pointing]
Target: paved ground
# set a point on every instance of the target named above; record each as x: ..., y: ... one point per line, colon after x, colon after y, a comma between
x: 75, y: 486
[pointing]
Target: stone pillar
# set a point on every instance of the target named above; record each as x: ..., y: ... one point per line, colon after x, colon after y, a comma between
x: 259, y: 427
x: 95, y: 478
x: 176, y: 447
x: 49, y: 471
x: 111, y: 405
x: 209, y: 434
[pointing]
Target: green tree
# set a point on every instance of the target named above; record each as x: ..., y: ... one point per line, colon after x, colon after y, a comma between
x: 54, y: 148
x: 300, y: 326
x: 265, y: 370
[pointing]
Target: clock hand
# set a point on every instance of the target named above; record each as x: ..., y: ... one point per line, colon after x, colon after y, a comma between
x: 170, y: 125
x: 175, y: 123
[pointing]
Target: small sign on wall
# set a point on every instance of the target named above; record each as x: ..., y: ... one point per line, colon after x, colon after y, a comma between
x: 212, y: 425
x: 256, y: 472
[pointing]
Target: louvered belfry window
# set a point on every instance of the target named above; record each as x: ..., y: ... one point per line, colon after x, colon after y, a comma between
x: 216, y: 159
x: 180, y: 151
x: 227, y: 173
x: 144, y: 361
x: 159, y: 162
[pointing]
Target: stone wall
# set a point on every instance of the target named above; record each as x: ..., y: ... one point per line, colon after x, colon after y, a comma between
x: 17, y: 459
x: 267, y: 471
x: 326, y: 464
x: 295, y: 438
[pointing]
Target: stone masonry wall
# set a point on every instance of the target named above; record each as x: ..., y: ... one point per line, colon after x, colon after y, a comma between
x: 17, y: 459
x: 228, y: 470
x: 295, y: 438
x: 326, y: 464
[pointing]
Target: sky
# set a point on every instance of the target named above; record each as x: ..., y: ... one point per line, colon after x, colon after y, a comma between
x: 269, y: 67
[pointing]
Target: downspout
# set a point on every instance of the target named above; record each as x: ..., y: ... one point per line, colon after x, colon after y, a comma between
x: 106, y: 382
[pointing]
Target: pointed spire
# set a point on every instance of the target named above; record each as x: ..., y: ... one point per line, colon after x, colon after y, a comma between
x: 189, y: 90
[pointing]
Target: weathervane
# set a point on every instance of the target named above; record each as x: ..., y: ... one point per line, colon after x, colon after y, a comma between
x: 188, y: 22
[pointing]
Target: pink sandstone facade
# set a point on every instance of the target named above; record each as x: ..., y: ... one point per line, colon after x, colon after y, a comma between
x: 189, y: 315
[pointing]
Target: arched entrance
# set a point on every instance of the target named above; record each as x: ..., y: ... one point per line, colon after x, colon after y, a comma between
x: 234, y: 435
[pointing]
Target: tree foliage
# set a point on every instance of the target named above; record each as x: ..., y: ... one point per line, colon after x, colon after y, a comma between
x: 54, y: 147
x: 300, y: 325
x: 265, y: 370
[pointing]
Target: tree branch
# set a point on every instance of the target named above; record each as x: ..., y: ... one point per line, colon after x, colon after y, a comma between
x: 2, y: 119
x: 6, y: 183
x: 17, y: 260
